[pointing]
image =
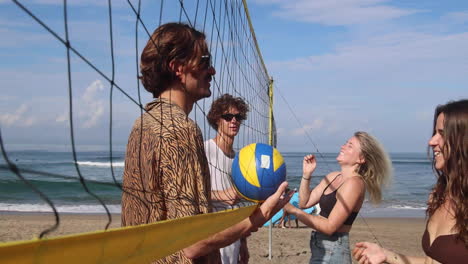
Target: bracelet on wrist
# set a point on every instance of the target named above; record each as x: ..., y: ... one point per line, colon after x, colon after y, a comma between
x: 307, y: 179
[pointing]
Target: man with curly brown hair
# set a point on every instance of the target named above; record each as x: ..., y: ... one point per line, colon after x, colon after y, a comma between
x: 225, y: 116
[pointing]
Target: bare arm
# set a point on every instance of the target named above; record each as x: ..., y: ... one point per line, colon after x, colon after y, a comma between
x: 311, y: 198
x: 251, y: 224
x: 228, y: 196
x: 371, y: 253
x: 308, y: 198
x: 221, y: 239
x: 366, y: 252
x: 308, y: 166
x: 347, y: 199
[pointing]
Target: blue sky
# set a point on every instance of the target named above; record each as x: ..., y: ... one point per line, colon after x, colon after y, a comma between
x: 377, y: 66
x: 342, y: 66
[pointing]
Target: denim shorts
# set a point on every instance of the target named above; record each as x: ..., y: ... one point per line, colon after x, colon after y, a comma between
x: 330, y: 249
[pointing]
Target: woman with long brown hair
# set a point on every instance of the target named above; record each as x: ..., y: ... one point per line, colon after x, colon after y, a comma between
x: 445, y: 239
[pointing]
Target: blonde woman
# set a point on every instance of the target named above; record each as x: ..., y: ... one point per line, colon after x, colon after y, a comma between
x: 365, y: 167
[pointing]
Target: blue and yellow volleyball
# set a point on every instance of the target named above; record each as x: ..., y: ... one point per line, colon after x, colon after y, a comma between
x: 257, y: 171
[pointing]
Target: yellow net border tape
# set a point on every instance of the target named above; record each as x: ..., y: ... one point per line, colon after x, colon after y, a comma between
x: 135, y: 244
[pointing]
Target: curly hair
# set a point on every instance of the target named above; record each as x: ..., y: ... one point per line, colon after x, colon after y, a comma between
x: 169, y: 42
x: 452, y: 179
x: 221, y: 105
x: 376, y: 171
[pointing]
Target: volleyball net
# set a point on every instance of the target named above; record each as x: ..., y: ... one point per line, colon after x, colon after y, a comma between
x: 74, y: 85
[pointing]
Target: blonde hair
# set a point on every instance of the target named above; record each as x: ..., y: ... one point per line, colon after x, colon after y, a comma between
x: 376, y: 170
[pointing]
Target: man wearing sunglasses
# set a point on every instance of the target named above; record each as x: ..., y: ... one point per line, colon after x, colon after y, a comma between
x: 166, y: 173
x: 225, y: 116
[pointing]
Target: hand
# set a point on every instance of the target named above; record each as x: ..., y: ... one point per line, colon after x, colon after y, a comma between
x: 308, y: 165
x: 271, y: 206
x: 369, y: 253
x: 243, y: 252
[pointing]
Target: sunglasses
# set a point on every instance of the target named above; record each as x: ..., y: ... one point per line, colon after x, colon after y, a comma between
x: 205, y: 61
x: 229, y: 117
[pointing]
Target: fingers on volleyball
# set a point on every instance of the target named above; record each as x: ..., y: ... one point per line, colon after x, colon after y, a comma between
x: 257, y: 171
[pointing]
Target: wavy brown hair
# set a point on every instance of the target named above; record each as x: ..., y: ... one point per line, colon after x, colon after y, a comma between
x: 452, y: 179
x: 170, y: 42
x: 221, y: 105
x: 376, y: 171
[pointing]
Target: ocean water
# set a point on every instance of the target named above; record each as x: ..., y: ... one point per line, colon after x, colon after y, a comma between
x: 55, y: 174
x: 406, y: 195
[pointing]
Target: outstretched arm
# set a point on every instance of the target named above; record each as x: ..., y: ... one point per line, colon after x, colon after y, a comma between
x: 251, y: 224
x: 348, y: 197
x: 370, y: 253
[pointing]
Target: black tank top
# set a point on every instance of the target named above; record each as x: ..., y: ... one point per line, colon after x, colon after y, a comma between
x: 328, y: 201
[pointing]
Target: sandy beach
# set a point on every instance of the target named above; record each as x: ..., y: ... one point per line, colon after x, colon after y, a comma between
x: 290, y: 245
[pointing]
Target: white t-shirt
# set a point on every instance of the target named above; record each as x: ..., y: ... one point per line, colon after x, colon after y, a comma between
x: 220, y: 171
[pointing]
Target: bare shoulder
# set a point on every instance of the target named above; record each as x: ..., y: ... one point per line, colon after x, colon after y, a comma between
x: 330, y: 176
x: 326, y: 180
x: 356, y: 180
x: 442, y: 221
x: 354, y: 183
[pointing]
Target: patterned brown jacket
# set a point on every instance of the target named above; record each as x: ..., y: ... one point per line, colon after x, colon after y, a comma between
x: 166, y: 172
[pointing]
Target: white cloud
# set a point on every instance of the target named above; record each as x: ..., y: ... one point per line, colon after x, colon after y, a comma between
x: 20, y: 117
x: 316, y: 125
x: 403, y: 55
x: 90, y: 108
x: 63, y: 117
x: 342, y: 12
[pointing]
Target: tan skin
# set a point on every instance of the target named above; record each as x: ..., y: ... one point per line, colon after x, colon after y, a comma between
x: 350, y: 195
x: 190, y: 87
x: 440, y: 223
x: 224, y: 139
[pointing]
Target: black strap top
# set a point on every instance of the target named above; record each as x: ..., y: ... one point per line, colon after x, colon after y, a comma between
x: 328, y: 201
x: 445, y: 248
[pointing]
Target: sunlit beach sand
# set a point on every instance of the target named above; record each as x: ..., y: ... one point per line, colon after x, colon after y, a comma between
x: 290, y: 245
